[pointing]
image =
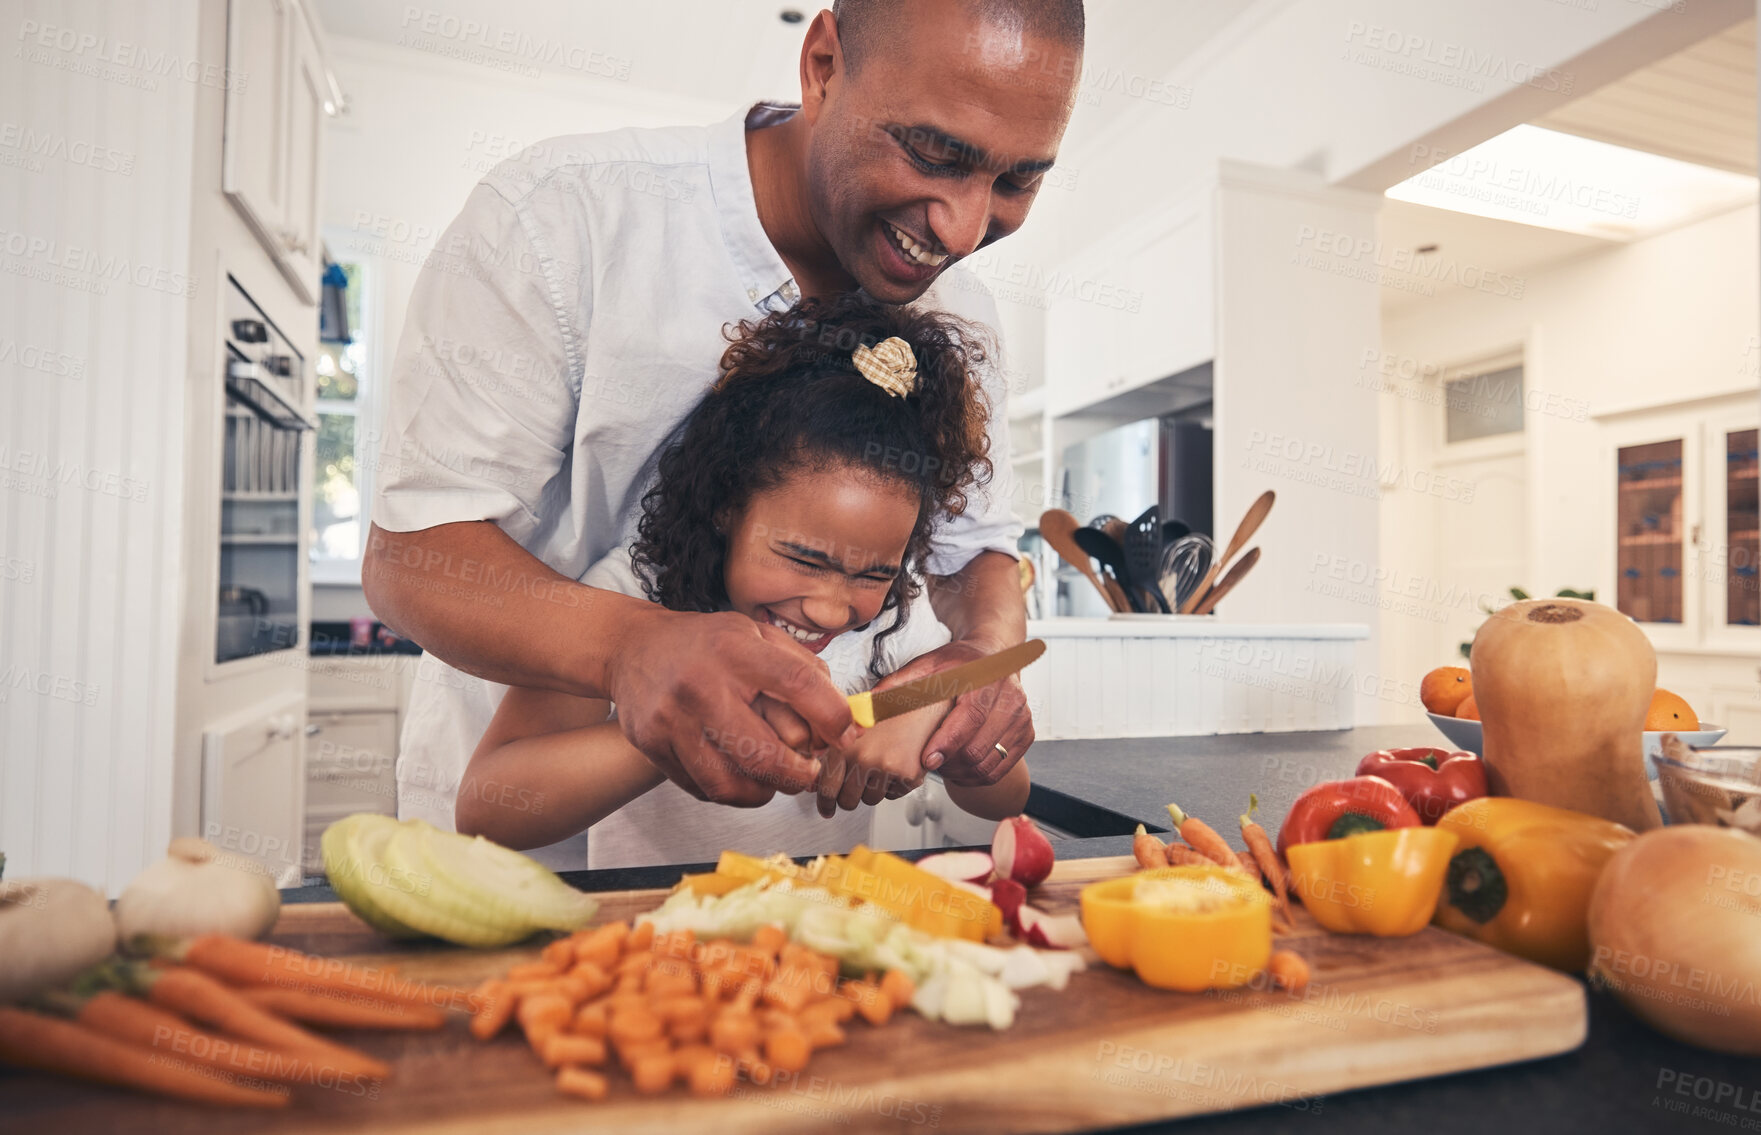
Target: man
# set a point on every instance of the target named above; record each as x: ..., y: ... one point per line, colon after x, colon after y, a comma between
x: 571, y: 316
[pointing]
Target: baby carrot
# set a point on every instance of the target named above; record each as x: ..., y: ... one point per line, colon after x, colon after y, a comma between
x: 133, y: 1021
x: 32, y: 1040
x: 1264, y: 854
x: 1201, y: 837
x: 347, y: 1013
x: 258, y: 963
x: 1288, y: 970
x: 1149, y: 850
x: 581, y: 1082
x: 1180, y: 855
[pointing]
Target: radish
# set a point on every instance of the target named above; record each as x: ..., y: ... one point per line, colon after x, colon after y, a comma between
x: 1009, y: 897
x: 1021, y: 851
x: 958, y: 866
x: 1053, y: 931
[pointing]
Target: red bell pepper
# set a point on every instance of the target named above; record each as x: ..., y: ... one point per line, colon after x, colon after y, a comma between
x: 1340, y: 808
x: 1432, y: 780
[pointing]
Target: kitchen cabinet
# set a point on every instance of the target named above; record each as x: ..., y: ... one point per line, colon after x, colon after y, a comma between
x: 356, y: 711
x: 253, y: 785
x: 273, y: 144
x: 1683, y: 541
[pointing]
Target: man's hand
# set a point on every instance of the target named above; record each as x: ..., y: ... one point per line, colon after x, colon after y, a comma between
x: 721, y: 707
x: 964, y: 746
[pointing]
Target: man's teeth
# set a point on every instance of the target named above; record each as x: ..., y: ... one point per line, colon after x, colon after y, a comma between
x: 915, y: 251
x: 799, y: 634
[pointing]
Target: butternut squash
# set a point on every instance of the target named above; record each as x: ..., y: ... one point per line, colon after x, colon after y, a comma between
x: 1563, y: 686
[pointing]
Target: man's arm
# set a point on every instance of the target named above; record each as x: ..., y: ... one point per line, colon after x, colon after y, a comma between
x: 982, y: 608
x: 686, y: 685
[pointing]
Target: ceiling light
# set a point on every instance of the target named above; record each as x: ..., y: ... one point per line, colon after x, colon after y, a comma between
x: 1560, y: 181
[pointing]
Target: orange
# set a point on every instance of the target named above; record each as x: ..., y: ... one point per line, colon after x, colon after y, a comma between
x: 1444, y: 688
x: 1669, y: 713
x: 1469, y: 709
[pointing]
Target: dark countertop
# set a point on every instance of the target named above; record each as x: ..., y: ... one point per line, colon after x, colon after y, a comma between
x: 1625, y: 1078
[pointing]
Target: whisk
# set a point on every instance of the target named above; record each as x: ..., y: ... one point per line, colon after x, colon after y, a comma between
x: 1184, y: 564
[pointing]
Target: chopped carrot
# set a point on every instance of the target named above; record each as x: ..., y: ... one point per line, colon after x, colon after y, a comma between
x: 668, y: 980
x: 565, y: 1048
x: 792, y: 996
x: 898, y: 987
x: 640, y: 938
x: 560, y: 954
x: 1148, y: 850
x: 498, y: 1005
x: 758, y: 1070
x: 634, y: 965
x: 733, y: 1031
x: 598, y: 981
x: 629, y: 1054
x: 823, y: 1033
x: 541, y: 970
x: 354, y: 1012
x: 653, y: 1074
x: 712, y: 1077
x: 788, y: 1049
x: 870, y: 1002
x: 591, y: 1019
x: 1266, y: 856
x: 674, y: 945
x: 769, y: 939
x: 522, y: 989
x: 602, y: 952
x: 635, y: 1025
x: 836, y: 1009
x: 688, y: 1056
x: 1201, y: 837
x: 581, y: 1082
x: 1288, y: 970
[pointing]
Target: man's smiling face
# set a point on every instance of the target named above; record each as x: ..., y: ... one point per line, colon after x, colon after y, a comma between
x: 937, y: 143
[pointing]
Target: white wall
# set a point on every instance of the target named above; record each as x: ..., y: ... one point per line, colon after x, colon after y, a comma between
x: 95, y: 299
x: 1659, y: 321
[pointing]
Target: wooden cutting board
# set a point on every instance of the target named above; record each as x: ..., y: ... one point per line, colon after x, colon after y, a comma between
x: 1104, y: 1052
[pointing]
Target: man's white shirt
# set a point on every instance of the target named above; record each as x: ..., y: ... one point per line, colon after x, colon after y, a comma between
x: 566, y: 323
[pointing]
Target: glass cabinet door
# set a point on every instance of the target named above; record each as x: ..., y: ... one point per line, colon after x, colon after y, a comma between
x: 1649, y: 531
x: 1742, y: 596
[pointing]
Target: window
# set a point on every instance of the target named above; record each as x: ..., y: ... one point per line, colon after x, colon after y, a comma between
x: 341, y: 478
x: 1483, y: 405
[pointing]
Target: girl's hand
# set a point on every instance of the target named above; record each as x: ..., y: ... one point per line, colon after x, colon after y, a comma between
x: 882, y: 764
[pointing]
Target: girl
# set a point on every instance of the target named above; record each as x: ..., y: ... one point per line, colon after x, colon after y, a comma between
x: 800, y: 493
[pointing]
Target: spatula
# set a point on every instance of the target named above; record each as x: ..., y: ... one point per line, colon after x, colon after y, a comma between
x: 1058, y: 528
x: 1143, y: 554
x: 1104, y: 548
x: 1256, y: 514
x: 1234, y: 576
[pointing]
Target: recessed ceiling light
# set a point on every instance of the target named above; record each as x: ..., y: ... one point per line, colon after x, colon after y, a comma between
x: 1560, y: 181
x: 791, y: 15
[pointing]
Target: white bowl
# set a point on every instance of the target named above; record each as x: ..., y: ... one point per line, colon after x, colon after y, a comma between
x: 1464, y: 734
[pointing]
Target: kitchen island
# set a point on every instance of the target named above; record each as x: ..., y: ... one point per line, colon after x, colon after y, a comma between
x: 1626, y: 1077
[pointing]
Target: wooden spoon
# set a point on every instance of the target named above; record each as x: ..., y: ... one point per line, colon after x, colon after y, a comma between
x: 1058, y: 528
x: 1250, y: 524
x: 1235, y: 576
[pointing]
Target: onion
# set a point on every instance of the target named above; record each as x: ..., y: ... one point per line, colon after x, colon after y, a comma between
x: 50, y: 930
x: 198, y: 890
x: 1675, y: 930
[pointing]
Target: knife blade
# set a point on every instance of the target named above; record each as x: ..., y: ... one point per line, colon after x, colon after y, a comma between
x: 870, y: 706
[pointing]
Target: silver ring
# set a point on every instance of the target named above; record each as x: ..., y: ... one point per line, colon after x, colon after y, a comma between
x: 998, y: 746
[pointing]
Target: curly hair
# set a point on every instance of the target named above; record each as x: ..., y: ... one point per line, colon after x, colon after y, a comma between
x: 791, y: 399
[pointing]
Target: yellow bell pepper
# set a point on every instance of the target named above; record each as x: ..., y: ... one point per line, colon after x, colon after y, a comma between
x: 1182, y: 928
x: 1383, y: 883
x: 1523, y: 876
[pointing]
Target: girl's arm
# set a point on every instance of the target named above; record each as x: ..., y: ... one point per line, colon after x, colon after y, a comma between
x: 1007, y: 797
x: 549, y: 766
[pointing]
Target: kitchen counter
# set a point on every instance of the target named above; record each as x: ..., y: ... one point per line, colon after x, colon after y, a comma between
x: 1625, y: 1078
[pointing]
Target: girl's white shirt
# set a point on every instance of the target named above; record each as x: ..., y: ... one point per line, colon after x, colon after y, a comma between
x: 668, y: 825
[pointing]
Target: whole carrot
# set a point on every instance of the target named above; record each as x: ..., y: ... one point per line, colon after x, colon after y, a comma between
x: 197, y: 995
x: 135, y: 1022
x: 1260, y: 844
x: 1202, y: 838
x: 1180, y: 855
x: 356, y: 1012
x: 259, y: 963
x: 1149, y: 850
x: 32, y: 1040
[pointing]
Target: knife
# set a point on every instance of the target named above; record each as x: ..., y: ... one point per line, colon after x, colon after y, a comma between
x: 871, y: 706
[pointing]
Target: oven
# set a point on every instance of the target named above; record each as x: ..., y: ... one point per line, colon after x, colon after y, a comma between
x: 261, y: 484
